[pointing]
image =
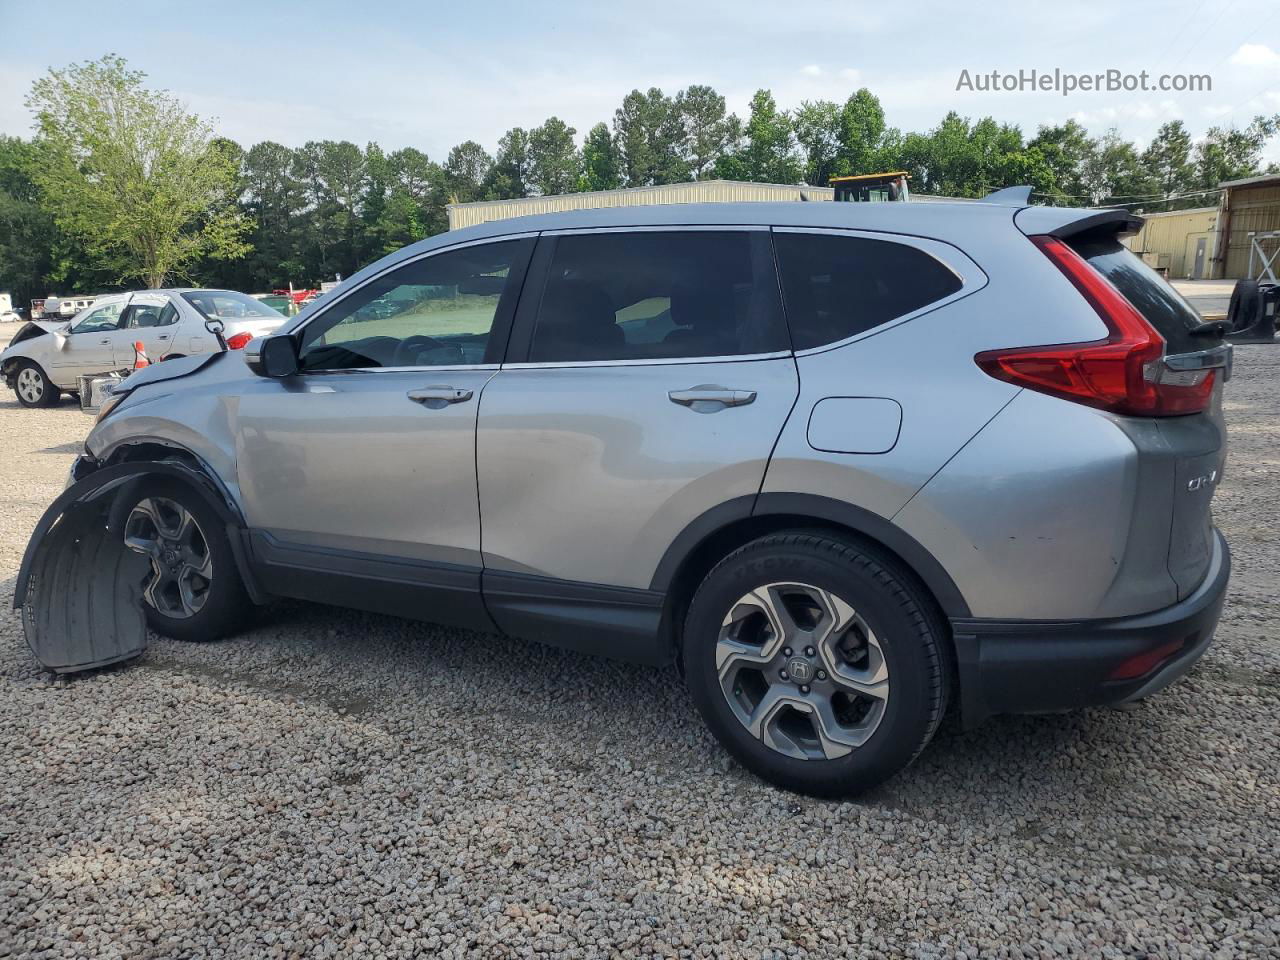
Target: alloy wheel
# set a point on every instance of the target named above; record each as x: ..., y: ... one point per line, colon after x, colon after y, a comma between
x: 181, y: 565
x: 802, y: 671
x: 30, y: 384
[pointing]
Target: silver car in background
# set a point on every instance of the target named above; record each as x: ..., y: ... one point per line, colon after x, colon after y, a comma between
x: 847, y: 465
x: 47, y: 357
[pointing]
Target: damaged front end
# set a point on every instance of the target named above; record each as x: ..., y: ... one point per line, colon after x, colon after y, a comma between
x: 80, y: 587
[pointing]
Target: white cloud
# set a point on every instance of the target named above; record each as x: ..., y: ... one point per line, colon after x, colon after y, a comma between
x: 811, y: 70
x: 1255, y: 55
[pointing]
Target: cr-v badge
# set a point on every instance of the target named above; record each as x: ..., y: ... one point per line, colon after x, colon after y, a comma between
x: 1200, y: 483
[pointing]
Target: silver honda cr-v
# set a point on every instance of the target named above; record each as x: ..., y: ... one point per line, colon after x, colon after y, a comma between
x: 844, y: 464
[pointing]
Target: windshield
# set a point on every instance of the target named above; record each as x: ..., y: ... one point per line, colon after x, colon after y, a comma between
x: 229, y: 305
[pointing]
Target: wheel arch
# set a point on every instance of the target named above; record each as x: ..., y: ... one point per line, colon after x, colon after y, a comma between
x: 725, y: 528
x: 129, y: 466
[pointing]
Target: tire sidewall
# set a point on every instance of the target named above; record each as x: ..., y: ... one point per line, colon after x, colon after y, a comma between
x: 226, y: 604
x: 1245, y: 305
x: 910, y: 715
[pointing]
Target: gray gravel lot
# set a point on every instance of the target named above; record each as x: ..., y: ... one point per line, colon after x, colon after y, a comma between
x: 341, y: 784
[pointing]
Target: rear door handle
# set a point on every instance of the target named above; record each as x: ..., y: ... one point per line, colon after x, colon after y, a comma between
x: 162, y: 336
x: 710, y: 394
x: 437, y: 397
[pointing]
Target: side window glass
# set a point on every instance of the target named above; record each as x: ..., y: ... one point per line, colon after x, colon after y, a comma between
x: 100, y: 320
x: 652, y: 295
x: 168, y: 316
x: 141, y: 315
x: 437, y: 311
x: 835, y: 287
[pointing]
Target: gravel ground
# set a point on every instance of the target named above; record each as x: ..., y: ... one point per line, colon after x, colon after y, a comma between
x: 338, y: 784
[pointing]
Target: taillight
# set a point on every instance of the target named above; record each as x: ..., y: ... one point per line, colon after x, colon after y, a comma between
x: 237, y: 341
x: 1125, y: 373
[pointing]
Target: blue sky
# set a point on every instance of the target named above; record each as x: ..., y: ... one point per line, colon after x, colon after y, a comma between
x: 432, y: 74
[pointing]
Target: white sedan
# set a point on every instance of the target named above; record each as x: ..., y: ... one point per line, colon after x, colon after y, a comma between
x: 46, y: 358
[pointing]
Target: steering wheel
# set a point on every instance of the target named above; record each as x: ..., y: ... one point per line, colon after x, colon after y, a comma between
x: 407, y: 352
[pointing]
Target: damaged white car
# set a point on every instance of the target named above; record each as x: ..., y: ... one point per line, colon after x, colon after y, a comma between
x: 47, y: 357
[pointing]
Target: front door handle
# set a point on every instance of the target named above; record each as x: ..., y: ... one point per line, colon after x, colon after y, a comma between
x: 707, y: 397
x: 437, y: 397
x: 106, y: 342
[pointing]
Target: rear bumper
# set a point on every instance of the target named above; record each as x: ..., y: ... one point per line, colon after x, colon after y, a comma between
x: 1033, y: 666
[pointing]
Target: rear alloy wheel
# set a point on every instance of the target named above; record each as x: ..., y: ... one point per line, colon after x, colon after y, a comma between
x: 193, y: 589
x: 802, y: 671
x: 816, y: 663
x: 33, y: 388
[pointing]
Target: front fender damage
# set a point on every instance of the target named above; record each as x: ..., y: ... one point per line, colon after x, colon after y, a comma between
x: 79, y: 588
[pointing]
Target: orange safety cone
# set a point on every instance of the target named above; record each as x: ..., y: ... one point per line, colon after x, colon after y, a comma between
x: 140, y: 358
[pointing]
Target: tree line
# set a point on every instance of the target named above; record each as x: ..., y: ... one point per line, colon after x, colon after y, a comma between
x: 119, y: 184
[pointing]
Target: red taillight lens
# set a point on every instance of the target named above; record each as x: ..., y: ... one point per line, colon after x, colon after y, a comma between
x: 237, y: 341
x: 1125, y: 373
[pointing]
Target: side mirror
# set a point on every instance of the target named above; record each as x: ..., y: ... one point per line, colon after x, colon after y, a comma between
x: 274, y: 356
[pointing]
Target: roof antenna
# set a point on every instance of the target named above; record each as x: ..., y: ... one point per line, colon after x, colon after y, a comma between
x: 1015, y: 196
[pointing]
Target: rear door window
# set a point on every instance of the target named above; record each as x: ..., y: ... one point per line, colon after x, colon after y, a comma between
x: 1162, y: 306
x: 653, y: 295
x: 836, y: 287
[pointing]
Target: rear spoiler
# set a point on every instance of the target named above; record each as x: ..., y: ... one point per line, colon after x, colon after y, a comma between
x: 1065, y: 222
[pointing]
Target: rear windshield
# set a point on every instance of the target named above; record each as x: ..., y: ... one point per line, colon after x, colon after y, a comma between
x: 1163, y: 307
x: 230, y: 305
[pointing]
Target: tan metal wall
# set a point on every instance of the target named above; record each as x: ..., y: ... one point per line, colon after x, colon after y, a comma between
x: 1169, y: 239
x: 1253, y: 210
x: 702, y: 191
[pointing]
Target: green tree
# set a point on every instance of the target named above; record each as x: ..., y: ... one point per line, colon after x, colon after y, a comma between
x: 1168, y: 160
x: 28, y: 234
x: 962, y: 159
x: 334, y: 175
x: 600, y: 160
x: 509, y: 175
x: 414, y: 207
x: 128, y: 172
x: 650, y: 137
x: 817, y: 127
x: 465, y: 171
x: 1229, y: 153
x: 769, y: 154
x: 861, y: 132
x: 1067, y: 149
x: 554, y: 162
x: 708, y: 130
x: 1114, y: 173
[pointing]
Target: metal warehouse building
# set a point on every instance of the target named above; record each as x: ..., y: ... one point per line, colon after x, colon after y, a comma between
x: 1213, y: 243
x: 1249, y: 207
x: 1179, y: 243
x: 701, y: 191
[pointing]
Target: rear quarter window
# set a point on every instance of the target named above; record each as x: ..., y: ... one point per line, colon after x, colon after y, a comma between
x: 1161, y: 305
x: 836, y: 287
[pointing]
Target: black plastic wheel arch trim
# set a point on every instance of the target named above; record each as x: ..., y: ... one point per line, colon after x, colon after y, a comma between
x: 816, y: 508
x: 97, y: 482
